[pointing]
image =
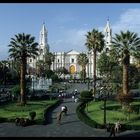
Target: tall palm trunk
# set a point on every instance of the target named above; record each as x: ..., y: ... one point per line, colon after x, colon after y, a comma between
x: 84, y: 73
x: 94, y: 72
x: 23, y: 82
x: 126, y: 62
x: 125, y: 79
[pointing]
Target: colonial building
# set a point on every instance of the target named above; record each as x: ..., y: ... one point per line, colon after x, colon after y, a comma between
x: 43, y: 48
x: 68, y: 59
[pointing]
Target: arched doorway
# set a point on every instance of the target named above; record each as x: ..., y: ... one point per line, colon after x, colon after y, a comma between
x: 72, y: 69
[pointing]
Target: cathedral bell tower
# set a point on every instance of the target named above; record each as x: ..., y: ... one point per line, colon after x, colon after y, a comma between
x: 43, y: 42
x: 108, y: 36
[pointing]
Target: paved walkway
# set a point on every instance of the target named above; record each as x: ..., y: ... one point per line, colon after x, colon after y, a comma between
x: 70, y: 126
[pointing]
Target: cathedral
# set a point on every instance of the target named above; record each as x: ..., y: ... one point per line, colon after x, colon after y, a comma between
x: 68, y: 59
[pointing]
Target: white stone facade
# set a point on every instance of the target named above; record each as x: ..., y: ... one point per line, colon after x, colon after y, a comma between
x: 68, y: 59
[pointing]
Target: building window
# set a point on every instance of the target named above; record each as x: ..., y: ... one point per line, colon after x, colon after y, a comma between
x: 107, y: 33
x: 30, y: 60
x: 72, y: 60
x: 58, y: 60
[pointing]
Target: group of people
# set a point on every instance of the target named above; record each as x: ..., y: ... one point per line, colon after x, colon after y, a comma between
x: 64, y: 109
x: 23, y: 122
x: 113, y: 128
x: 60, y: 114
x: 74, y: 97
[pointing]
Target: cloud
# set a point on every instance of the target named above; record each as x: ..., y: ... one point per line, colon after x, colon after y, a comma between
x: 75, y: 38
x: 129, y: 20
x: 72, y: 39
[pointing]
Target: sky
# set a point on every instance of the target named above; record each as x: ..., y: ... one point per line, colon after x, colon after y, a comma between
x: 67, y: 24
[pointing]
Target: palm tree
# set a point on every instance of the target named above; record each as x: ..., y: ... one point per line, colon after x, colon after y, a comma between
x: 127, y: 43
x: 94, y: 42
x: 22, y: 47
x: 82, y: 60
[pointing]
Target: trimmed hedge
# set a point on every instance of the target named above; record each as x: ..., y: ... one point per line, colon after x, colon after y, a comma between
x: 49, y: 108
x: 2, y: 119
x: 84, y: 118
x: 80, y: 110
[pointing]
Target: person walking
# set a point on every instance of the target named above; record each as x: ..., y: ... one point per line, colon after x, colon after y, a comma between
x: 59, y: 117
x: 117, y: 127
x: 73, y: 98
x: 64, y: 109
x: 112, y: 130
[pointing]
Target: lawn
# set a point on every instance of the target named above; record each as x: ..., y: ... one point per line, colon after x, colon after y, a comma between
x: 113, y: 113
x: 10, y: 111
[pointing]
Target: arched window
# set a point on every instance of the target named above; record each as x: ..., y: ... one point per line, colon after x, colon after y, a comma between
x: 72, y: 60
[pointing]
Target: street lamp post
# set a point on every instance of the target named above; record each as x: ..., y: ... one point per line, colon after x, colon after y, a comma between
x: 106, y: 91
x: 88, y: 75
x: 33, y: 83
x: 105, y: 109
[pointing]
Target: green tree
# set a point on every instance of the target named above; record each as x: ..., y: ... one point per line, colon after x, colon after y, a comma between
x: 103, y: 64
x: 49, y: 73
x: 83, y: 61
x: 137, y: 59
x: 127, y: 44
x: 22, y: 47
x: 4, y: 66
x: 133, y: 76
x: 40, y: 67
x: 62, y: 70
x: 86, y: 96
x: 49, y: 58
x: 15, y: 66
x: 95, y: 42
x: 109, y: 68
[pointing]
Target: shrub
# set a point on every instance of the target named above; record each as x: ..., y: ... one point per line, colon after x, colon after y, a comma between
x: 80, y: 110
x: 85, y: 96
x: 32, y: 115
x: 2, y: 119
x: 55, y: 78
